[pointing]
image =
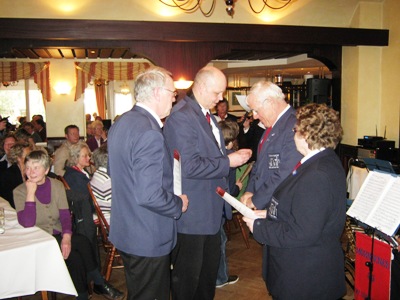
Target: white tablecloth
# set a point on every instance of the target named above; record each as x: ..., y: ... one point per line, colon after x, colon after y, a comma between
x: 30, y: 260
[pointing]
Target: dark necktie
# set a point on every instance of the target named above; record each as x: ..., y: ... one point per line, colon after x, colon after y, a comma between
x: 208, y: 118
x: 267, y: 131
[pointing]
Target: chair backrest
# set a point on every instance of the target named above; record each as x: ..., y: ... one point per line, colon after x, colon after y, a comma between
x: 104, y: 226
x: 62, y: 179
x: 242, y: 174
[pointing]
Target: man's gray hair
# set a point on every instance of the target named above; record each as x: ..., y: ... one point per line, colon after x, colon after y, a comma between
x: 267, y: 90
x: 147, y: 81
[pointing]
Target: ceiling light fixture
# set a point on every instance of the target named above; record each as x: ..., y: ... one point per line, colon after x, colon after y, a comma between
x: 125, y: 90
x: 190, y: 6
x: 9, y: 83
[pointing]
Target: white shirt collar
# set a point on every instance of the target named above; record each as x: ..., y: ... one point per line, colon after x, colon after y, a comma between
x: 204, y: 110
x: 152, y: 112
x: 311, y: 154
x: 281, y: 114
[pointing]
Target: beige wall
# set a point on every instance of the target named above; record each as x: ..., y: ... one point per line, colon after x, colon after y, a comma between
x: 63, y: 110
x: 370, y: 74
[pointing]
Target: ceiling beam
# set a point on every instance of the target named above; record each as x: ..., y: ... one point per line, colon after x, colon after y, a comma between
x: 63, y: 29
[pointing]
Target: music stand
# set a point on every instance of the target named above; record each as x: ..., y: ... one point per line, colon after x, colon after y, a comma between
x: 374, y: 164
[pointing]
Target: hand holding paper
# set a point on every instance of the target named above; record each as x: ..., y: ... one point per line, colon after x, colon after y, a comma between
x: 177, y: 174
x: 245, y: 211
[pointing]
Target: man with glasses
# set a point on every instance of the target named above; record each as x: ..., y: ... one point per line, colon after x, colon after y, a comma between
x: 144, y: 207
x: 194, y: 132
x: 277, y: 153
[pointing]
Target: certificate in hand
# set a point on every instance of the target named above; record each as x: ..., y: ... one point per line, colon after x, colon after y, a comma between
x: 177, y: 174
x: 240, y: 207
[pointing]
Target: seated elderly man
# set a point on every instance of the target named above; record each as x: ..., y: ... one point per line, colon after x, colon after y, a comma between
x: 101, y: 182
x: 61, y: 155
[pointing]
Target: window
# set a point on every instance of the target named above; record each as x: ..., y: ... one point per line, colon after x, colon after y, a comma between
x: 14, y: 101
x: 122, y: 103
x: 89, y: 101
x: 117, y: 104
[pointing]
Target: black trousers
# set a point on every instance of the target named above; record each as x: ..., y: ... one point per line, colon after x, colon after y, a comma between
x: 195, y: 262
x: 80, y: 261
x: 147, y: 278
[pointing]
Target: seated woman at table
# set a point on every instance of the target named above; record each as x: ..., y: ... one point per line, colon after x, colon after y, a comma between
x: 78, y: 178
x: 15, y: 175
x: 302, y: 226
x: 41, y: 201
x: 75, y: 174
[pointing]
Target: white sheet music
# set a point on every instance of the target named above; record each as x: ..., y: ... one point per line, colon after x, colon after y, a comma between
x: 378, y: 202
x: 240, y: 207
x: 177, y: 174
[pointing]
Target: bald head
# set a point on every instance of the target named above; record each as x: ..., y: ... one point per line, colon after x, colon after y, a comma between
x: 209, y: 86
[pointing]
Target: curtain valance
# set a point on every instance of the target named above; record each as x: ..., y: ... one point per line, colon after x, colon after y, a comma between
x: 85, y: 71
x: 13, y: 71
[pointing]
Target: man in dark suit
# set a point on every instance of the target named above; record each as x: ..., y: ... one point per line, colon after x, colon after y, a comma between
x: 144, y: 207
x: 277, y: 154
x: 222, y: 112
x: 195, y: 133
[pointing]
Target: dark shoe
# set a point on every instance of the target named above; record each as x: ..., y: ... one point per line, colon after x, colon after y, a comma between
x: 108, y: 291
x: 231, y: 280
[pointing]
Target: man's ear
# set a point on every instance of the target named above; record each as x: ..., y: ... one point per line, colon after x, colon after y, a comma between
x: 157, y: 93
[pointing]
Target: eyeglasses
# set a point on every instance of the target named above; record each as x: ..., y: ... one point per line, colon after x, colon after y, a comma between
x: 175, y: 93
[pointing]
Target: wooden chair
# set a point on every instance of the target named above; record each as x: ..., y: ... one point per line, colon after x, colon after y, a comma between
x: 65, y: 183
x: 112, y: 260
x: 237, y: 221
x: 242, y: 174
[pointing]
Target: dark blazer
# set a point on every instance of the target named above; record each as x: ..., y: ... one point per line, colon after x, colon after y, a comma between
x: 276, y: 160
x: 303, y: 257
x: 204, y: 166
x: 77, y: 181
x: 10, y: 178
x: 144, y: 208
x: 92, y: 143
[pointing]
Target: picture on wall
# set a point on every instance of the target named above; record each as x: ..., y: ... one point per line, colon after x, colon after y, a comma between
x: 234, y: 104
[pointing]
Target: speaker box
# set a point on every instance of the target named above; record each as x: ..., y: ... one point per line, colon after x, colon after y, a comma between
x: 318, y: 90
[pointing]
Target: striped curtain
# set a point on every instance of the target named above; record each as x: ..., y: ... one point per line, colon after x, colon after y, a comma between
x: 13, y: 71
x: 85, y: 71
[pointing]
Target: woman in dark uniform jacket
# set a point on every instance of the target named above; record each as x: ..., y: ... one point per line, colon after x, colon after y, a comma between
x: 301, y: 228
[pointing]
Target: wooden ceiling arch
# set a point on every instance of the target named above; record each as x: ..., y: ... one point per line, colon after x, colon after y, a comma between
x: 183, y: 48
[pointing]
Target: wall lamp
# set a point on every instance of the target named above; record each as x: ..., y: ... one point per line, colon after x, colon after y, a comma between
x: 63, y: 88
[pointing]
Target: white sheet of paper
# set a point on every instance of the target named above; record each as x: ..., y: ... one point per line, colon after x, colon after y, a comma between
x: 177, y: 174
x: 377, y: 202
x: 242, y: 101
x: 239, y: 206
